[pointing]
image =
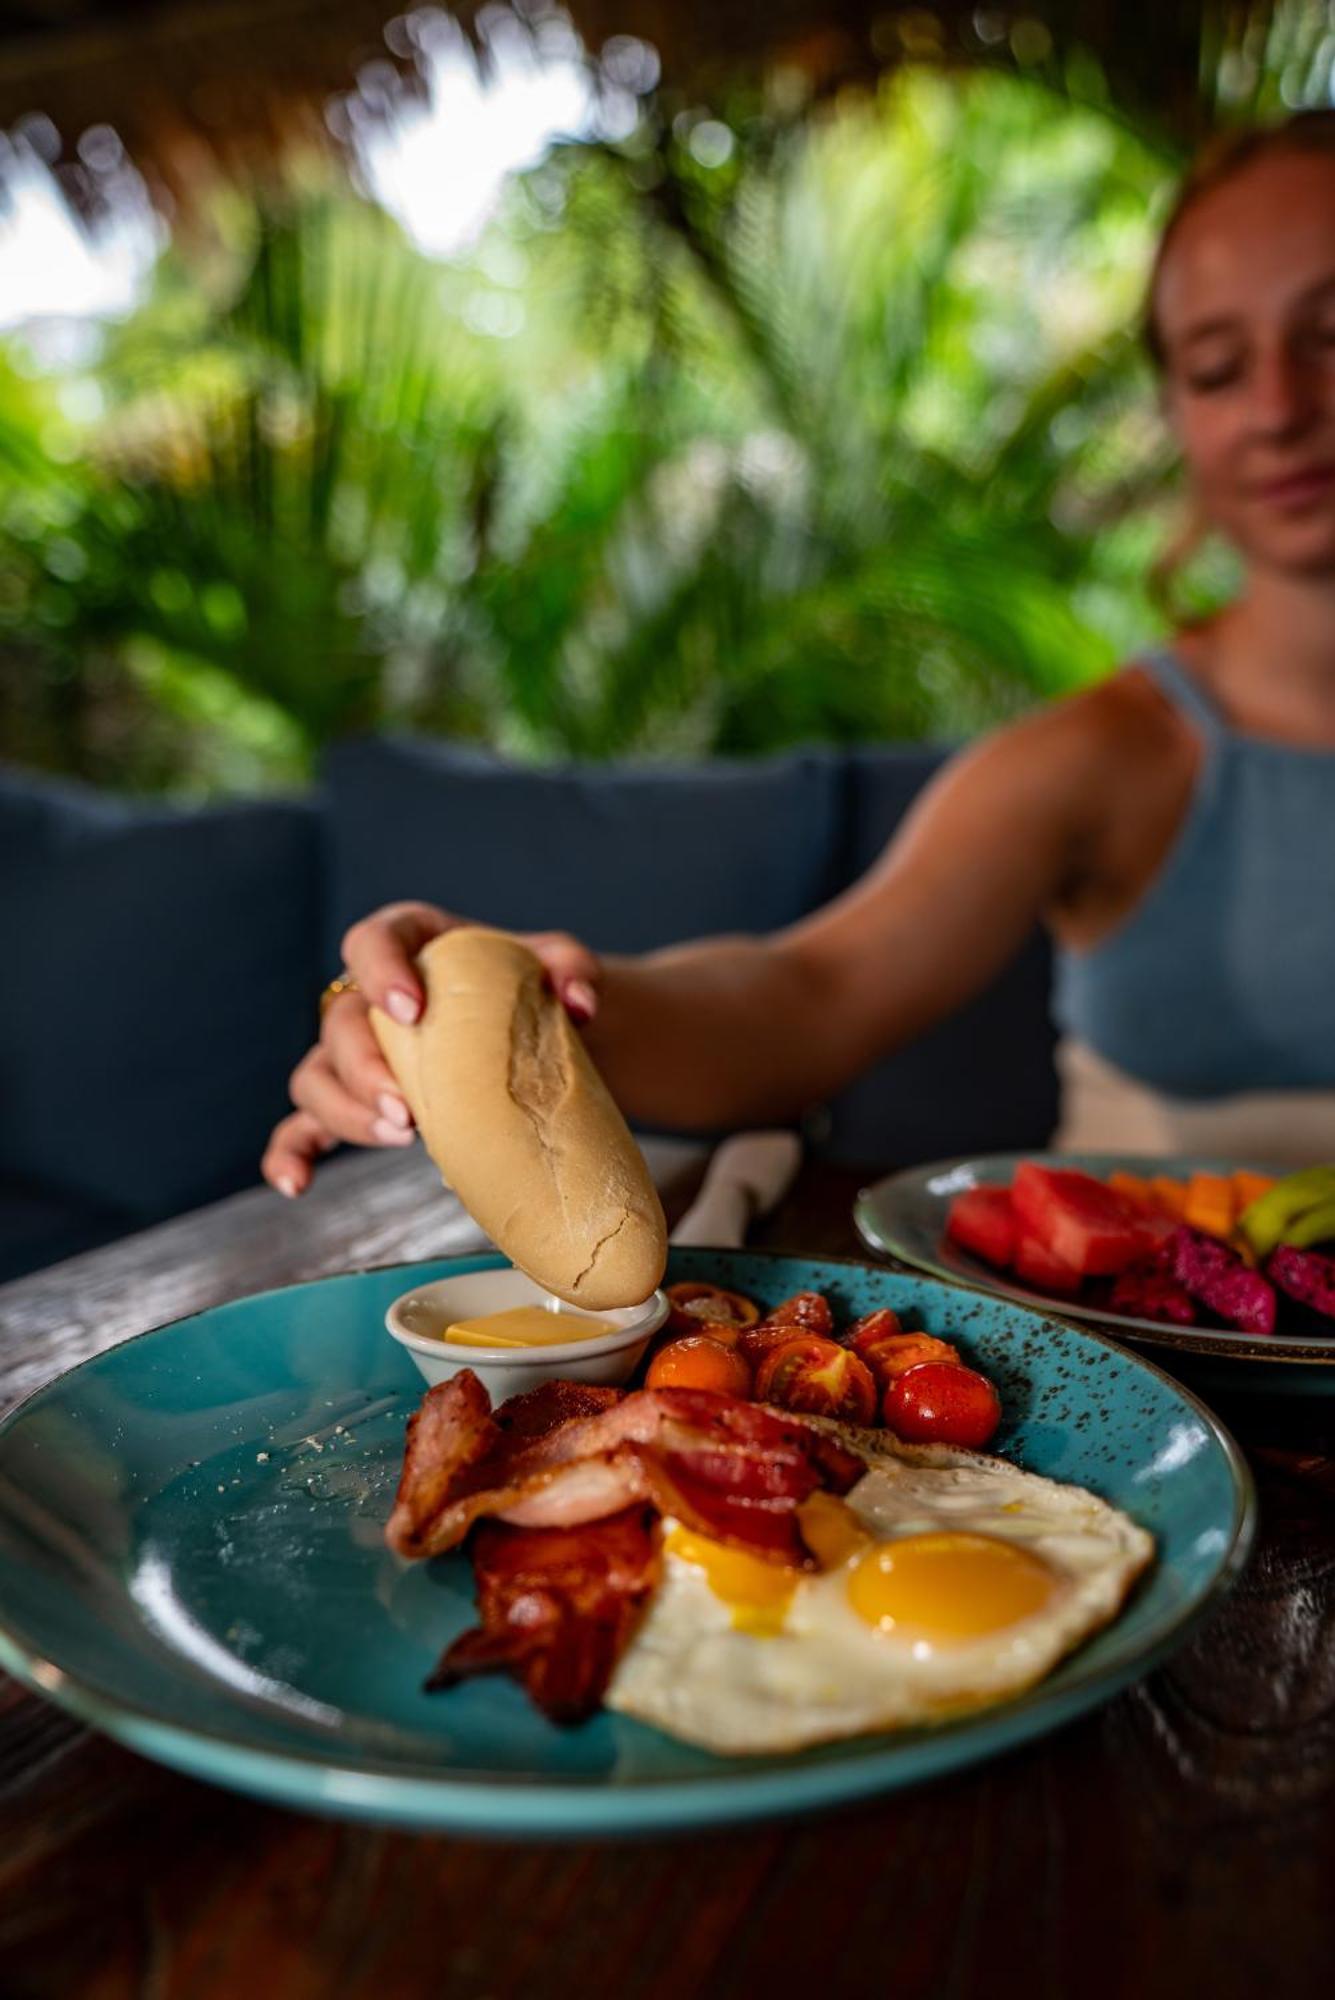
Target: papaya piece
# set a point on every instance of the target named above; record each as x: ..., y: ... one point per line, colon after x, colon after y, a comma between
x: 1133, y: 1187
x: 1210, y: 1204
x: 1170, y: 1195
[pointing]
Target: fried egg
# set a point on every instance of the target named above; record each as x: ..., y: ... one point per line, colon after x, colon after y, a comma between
x: 948, y: 1581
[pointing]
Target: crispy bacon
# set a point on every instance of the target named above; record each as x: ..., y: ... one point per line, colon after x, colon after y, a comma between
x: 728, y: 1468
x: 541, y: 1410
x: 450, y: 1433
x: 461, y: 1463
x: 558, y: 1607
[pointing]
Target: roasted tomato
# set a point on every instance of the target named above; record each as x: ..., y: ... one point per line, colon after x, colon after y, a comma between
x: 695, y: 1307
x: 878, y: 1325
x: 880, y: 1341
x: 805, y: 1312
x: 698, y: 1361
x: 819, y: 1377
x: 942, y: 1402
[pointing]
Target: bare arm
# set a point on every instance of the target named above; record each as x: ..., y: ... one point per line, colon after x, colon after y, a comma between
x: 735, y: 1030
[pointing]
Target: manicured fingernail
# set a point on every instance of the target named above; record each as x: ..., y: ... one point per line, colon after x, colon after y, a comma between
x: 390, y: 1135
x: 286, y: 1185
x: 580, y: 999
x: 403, y: 1005
x: 394, y: 1111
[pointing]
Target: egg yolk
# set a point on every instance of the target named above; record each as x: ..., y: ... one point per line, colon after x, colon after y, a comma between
x: 756, y: 1593
x: 830, y: 1529
x: 948, y: 1588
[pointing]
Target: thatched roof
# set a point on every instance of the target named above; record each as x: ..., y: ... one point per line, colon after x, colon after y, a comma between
x: 194, y: 85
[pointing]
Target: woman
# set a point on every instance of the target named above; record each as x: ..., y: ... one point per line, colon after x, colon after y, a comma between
x: 1173, y: 827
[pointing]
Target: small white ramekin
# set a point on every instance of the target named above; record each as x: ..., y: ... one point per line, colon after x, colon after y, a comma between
x: 418, y: 1318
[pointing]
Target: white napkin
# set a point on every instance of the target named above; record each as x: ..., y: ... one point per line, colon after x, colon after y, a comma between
x: 747, y: 1177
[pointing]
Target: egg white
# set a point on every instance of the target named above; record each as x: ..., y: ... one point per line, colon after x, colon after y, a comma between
x: 827, y: 1673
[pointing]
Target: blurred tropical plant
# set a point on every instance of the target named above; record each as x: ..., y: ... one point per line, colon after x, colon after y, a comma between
x: 727, y: 437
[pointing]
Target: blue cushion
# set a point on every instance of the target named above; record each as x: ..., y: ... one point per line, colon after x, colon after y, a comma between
x: 160, y: 981
x: 625, y: 856
x: 984, y: 1081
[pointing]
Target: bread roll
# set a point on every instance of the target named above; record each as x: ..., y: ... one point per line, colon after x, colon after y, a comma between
x: 521, y: 1125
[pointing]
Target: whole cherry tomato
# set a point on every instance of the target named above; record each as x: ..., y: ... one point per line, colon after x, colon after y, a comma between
x: 818, y: 1377
x: 942, y: 1402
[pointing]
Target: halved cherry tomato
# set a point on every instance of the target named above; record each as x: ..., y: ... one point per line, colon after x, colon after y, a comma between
x: 819, y: 1377
x: 877, y: 1325
x: 810, y: 1310
x: 696, y: 1307
x: 699, y: 1362
x: 942, y: 1402
x: 880, y: 1341
x: 805, y: 1312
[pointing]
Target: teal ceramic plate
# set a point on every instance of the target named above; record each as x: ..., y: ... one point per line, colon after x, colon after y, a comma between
x: 191, y: 1559
x: 904, y: 1216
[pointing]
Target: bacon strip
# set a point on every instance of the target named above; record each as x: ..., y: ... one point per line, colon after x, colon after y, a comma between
x: 558, y: 1608
x: 731, y: 1469
x: 450, y: 1433
x: 551, y: 1404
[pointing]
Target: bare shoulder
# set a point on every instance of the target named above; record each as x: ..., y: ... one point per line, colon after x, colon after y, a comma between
x: 1124, y: 717
x: 1072, y: 752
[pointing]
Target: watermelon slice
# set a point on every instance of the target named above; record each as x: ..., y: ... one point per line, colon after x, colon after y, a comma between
x: 982, y: 1220
x: 1038, y: 1267
x: 1081, y: 1221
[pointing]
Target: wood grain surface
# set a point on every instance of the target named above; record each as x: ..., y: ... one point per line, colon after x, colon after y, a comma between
x: 1179, y: 1842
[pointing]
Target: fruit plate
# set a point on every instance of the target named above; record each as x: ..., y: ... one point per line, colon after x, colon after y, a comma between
x: 191, y: 1559
x: 904, y: 1216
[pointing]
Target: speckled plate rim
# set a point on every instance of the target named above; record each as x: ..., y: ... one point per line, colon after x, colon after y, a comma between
x: 502, y: 1807
x: 971, y: 1274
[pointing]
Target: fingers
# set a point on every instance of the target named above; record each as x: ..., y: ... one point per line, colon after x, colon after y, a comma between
x: 574, y: 972
x: 354, y: 1056
x: 294, y: 1147
x: 379, y: 953
x: 316, y: 1087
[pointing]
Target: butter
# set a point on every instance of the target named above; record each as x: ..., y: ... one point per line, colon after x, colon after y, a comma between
x: 524, y: 1326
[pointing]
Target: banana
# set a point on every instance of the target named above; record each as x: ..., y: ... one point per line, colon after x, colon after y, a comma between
x: 1272, y: 1218
x: 1314, y: 1225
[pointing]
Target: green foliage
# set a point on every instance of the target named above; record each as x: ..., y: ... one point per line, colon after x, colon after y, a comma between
x: 842, y: 436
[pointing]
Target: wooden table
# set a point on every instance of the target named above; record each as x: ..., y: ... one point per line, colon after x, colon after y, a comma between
x: 1180, y: 1841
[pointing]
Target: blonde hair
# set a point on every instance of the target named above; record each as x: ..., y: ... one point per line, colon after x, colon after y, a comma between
x: 1221, y: 159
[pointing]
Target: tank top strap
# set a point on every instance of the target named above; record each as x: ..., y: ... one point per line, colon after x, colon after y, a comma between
x: 1184, y: 691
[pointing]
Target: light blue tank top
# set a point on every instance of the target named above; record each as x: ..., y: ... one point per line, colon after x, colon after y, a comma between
x: 1223, y: 977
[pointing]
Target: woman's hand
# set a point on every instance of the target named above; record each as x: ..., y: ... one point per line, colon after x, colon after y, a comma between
x: 343, y: 1088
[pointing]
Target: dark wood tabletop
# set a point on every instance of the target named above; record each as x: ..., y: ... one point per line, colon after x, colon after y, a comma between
x: 1179, y: 1841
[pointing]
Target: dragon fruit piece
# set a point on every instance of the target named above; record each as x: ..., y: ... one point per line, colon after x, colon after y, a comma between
x: 1304, y: 1275
x: 1217, y: 1277
x: 1152, y: 1294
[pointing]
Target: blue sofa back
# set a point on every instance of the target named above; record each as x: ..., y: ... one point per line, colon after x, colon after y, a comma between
x: 157, y: 991
x: 626, y: 857
x: 983, y: 1081
x: 167, y: 963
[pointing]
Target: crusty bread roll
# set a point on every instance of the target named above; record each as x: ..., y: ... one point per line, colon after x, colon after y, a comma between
x: 521, y: 1125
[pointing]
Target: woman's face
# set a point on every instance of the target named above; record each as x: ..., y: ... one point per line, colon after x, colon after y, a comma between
x: 1245, y: 308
